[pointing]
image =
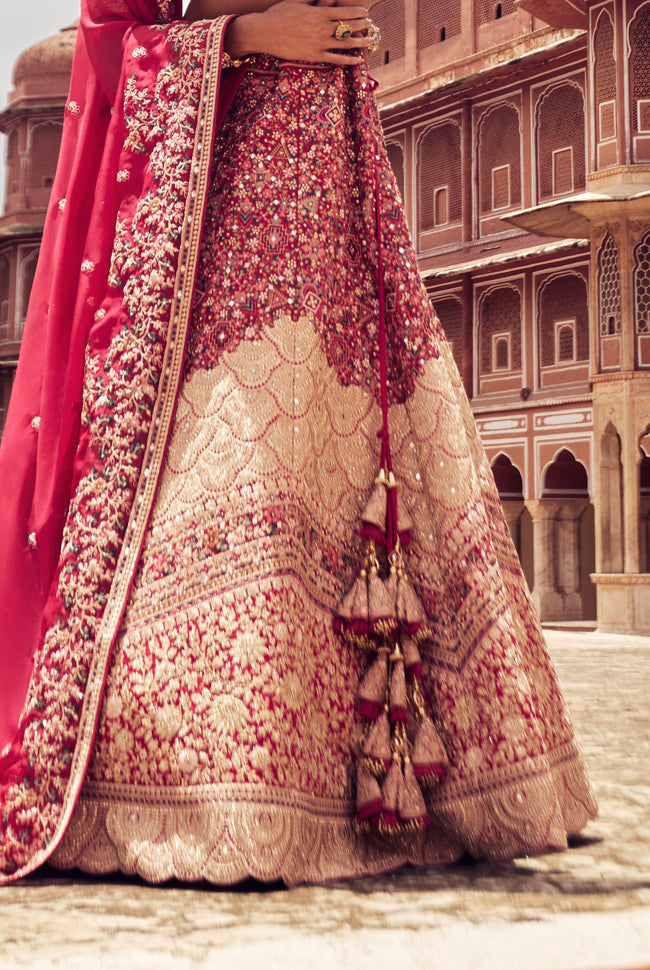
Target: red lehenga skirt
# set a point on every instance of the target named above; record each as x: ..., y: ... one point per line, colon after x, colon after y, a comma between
x: 228, y: 733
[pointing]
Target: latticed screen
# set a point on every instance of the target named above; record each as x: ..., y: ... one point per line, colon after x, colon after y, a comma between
x: 605, y: 77
x: 5, y: 282
x: 489, y: 10
x: 390, y: 18
x: 450, y: 311
x: 640, y: 69
x: 563, y: 298
x: 45, y: 142
x: 500, y: 313
x: 561, y: 158
x: 642, y: 284
x: 439, y: 167
x: 499, y: 156
x: 437, y: 21
x: 27, y: 271
x: 609, y: 288
x: 396, y: 159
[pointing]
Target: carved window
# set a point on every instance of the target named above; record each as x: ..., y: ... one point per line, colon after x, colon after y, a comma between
x: 565, y: 341
x: 438, y: 21
x: 499, y: 159
x: 489, y: 10
x: 605, y: 78
x: 609, y: 288
x: 439, y: 177
x: 396, y: 159
x: 500, y: 351
x: 500, y: 320
x: 640, y: 70
x: 561, y: 160
x: 390, y: 18
x: 27, y: 271
x: 642, y: 284
x: 44, y: 145
x: 5, y: 283
x: 563, y: 301
x: 450, y: 311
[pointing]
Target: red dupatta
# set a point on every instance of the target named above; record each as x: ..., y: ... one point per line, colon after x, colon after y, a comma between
x: 96, y: 389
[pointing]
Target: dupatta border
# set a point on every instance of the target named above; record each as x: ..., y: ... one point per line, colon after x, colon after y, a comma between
x: 28, y: 798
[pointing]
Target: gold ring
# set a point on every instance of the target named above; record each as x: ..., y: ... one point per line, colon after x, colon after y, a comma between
x: 343, y: 31
x: 373, y: 34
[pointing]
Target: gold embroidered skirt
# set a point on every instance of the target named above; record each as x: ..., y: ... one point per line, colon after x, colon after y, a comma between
x: 227, y: 737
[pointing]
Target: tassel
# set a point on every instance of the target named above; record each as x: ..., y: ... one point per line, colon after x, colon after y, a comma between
x: 398, y: 701
x: 411, y: 809
x: 410, y: 611
x: 369, y: 798
x: 373, y: 517
x: 390, y: 794
x: 381, y: 610
x: 412, y: 659
x: 376, y: 746
x: 429, y: 757
x: 404, y: 523
x: 371, y: 695
x: 354, y: 608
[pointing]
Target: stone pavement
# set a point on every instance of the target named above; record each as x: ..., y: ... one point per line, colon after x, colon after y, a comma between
x: 586, y: 909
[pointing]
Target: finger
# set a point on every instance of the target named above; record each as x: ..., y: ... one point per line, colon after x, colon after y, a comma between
x: 345, y: 13
x: 341, y: 60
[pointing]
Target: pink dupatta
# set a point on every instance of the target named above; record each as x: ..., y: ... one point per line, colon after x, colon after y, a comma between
x: 96, y: 389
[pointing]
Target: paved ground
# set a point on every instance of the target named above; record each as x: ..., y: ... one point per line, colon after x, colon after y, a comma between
x: 587, y: 909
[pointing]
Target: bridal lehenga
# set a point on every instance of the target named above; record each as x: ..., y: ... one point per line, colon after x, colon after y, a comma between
x: 284, y: 630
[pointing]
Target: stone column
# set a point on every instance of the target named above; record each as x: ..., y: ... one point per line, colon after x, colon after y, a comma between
x: 545, y: 595
x: 512, y: 510
x: 567, y: 550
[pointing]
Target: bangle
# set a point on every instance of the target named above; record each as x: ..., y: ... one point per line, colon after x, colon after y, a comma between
x: 228, y: 61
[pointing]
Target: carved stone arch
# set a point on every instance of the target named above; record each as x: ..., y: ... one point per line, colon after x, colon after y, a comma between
x: 565, y: 477
x: 644, y: 500
x: 508, y: 477
x: 611, y: 501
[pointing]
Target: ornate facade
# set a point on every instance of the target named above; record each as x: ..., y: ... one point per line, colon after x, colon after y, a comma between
x: 519, y: 133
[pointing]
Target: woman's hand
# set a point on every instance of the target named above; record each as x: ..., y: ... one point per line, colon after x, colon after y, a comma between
x: 295, y: 30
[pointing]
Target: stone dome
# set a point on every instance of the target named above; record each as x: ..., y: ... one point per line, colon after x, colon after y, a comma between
x: 42, y: 72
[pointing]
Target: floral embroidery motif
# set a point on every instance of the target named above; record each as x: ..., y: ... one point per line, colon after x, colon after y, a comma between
x: 73, y: 108
x: 87, y: 266
x: 302, y: 202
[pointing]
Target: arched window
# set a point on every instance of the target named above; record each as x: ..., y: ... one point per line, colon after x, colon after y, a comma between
x: 44, y: 145
x: 563, y: 320
x: 396, y: 159
x: 26, y: 280
x: 500, y: 330
x: 439, y: 177
x: 605, y: 78
x: 640, y: 70
x: 450, y: 311
x: 499, y: 155
x: 561, y: 160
